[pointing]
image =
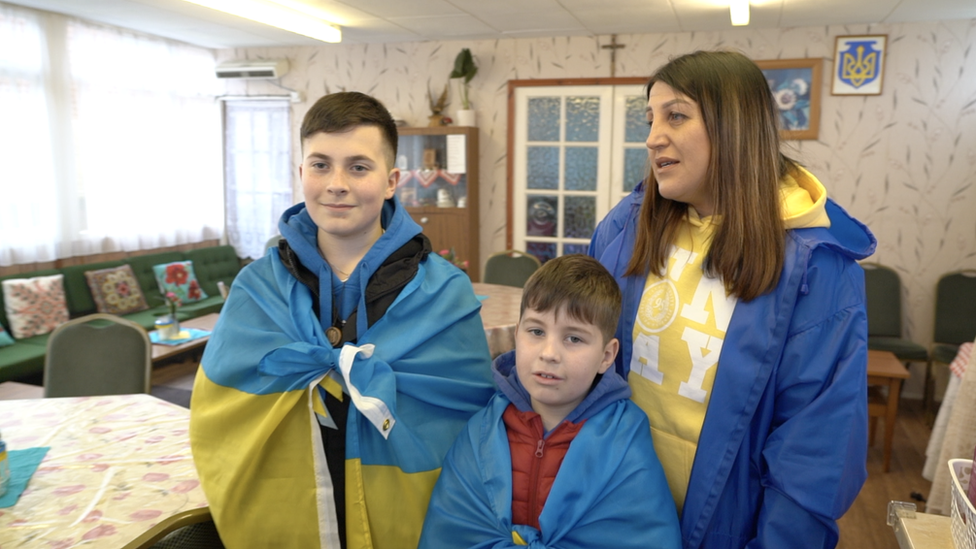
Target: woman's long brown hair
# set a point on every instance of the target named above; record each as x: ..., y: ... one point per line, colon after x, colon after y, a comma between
x: 745, y: 167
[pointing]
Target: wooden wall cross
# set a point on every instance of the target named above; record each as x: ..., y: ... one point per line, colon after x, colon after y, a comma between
x: 613, y: 46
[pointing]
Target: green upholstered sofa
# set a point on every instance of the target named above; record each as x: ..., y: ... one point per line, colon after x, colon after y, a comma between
x: 24, y: 360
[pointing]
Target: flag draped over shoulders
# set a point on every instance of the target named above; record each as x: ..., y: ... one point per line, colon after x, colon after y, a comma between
x: 609, y: 492
x: 414, y: 378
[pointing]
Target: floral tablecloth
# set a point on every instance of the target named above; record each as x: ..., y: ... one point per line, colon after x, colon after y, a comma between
x: 500, y: 314
x: 117, y: 466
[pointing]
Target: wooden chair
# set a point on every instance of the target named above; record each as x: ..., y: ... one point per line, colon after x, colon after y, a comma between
x: 884, y: 370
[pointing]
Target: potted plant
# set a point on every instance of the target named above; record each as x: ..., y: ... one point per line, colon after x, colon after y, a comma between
x: 464, y: 71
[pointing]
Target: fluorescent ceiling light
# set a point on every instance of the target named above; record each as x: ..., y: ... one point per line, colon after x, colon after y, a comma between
x: 275, y: 15
x: 739, y: 12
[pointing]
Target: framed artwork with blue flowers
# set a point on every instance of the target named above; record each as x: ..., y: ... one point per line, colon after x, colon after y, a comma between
x: 796, y: 87
x: 859, y: 64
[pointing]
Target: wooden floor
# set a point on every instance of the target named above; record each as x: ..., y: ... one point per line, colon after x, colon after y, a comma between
x: 864, y: 527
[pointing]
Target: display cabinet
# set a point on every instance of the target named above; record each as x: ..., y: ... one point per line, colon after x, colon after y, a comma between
x: 439, y: 187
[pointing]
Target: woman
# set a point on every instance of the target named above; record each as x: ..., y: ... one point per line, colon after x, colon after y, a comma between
x: 743, y: 329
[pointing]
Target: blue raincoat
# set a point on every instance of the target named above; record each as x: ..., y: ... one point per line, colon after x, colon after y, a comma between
x: 783, y: 446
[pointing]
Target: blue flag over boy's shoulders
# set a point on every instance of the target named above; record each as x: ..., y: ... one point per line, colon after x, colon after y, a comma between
x: 416, y: 376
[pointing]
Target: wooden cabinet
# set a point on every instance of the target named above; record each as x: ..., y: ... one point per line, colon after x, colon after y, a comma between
x: 439, y: 187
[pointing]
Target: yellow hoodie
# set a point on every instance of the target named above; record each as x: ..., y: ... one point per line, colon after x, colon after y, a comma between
x: 680, y: 329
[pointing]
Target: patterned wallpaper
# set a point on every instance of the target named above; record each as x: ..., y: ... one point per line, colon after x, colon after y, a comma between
x: 904, y: 162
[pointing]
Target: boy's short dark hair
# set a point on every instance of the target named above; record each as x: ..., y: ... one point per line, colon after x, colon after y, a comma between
x: 341, y: 111
x: 581, y: 286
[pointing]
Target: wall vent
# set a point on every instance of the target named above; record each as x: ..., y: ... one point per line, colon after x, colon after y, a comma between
x: 263, y: 69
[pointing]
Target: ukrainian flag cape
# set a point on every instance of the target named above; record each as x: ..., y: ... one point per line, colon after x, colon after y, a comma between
x: 610, y: 490
x: 414, y: 378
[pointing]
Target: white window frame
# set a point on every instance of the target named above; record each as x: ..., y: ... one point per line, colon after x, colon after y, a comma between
x: 610, y: 170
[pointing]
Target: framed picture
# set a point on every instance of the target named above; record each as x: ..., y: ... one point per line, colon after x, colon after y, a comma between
x: 796, y: 87
x: 859, y: 64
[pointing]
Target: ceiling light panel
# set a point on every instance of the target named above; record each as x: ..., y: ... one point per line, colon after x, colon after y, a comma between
x: 277, y: 16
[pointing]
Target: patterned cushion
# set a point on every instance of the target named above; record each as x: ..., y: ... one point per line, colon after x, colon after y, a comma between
x: 35, y: 306
x: 5, y: 338
x: 178, y: 278
x: 116, y: 291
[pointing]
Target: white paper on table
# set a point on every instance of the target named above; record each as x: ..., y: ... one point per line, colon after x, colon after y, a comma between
x: 456, y: 153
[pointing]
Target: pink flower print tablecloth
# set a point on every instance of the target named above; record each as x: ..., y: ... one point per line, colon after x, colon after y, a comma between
x: 117, y: 466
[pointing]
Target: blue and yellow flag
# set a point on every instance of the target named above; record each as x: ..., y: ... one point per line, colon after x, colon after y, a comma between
x: 414, y: 379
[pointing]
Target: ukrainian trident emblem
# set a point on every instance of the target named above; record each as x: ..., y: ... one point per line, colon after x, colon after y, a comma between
x: 859, y: 64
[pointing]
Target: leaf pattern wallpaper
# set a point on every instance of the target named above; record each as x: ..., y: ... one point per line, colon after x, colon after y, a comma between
x: 903, y: 162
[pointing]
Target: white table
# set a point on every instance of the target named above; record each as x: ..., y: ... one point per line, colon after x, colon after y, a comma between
x: 117, y: 466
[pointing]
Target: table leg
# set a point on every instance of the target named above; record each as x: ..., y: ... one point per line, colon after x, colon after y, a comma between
x: 891, y: 412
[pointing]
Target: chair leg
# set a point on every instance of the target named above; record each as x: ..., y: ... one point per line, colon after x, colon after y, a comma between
x: 872, y: 429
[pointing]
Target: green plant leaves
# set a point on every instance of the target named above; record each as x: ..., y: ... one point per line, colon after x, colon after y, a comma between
x: 464, y: 66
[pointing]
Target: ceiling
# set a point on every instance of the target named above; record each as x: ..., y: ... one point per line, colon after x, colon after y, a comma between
x: 375, y: 21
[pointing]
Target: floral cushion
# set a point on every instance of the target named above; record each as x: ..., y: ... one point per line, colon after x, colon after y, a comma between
x: 179, y: 278
x: 5, y: 338
x: 116, y: 291
x: 35, y: 306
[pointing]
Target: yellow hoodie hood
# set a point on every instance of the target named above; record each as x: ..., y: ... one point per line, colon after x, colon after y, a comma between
x: 804, y: 200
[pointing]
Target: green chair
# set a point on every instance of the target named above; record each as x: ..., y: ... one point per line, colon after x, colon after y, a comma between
x: 510, y: 268
x: 98, y: 354
x: 193, y: 529
x: 883, y: 299
x: 272, y: 242
x: 955, y: 319
x: 883, y: 288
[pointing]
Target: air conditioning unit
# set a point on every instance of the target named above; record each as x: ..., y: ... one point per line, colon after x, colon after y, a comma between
x: 253, y: 69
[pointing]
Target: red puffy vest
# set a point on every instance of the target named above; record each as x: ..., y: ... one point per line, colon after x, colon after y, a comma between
x: 535, y: 461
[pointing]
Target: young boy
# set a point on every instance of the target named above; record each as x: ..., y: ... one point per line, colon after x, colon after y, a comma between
x: 560, y: 456
x: 345, y: 361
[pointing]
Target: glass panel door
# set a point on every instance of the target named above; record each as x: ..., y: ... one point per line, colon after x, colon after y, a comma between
x: 578, y: 151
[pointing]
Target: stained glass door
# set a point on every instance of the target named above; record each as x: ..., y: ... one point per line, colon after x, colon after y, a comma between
x: 578, y: 151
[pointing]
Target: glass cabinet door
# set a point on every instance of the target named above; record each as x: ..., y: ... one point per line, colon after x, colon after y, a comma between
x: 432, y: 171
x: 439, y: 188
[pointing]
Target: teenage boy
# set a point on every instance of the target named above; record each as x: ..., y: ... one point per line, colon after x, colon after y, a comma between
x: 345, y: 361
x: 560, y: 457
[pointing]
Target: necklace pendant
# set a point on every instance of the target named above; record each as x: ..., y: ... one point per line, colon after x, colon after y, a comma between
x: 334, y: 335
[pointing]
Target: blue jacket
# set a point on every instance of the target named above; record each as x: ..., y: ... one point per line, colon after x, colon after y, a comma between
x: 610, y: 490
x: 783, y: 446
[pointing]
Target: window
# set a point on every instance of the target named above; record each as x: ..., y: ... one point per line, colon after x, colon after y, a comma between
x: 577, y: 151
x: 257, y: 169
x: 110, y: 140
